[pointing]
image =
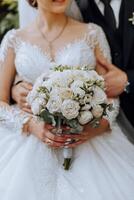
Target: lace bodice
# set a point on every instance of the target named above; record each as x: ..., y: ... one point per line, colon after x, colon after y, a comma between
x: 31, y: 61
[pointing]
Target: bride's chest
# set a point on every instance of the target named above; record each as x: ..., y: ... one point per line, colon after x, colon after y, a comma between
x: 31, y: 61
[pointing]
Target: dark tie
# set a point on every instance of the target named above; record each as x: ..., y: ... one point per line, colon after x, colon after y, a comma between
x: 109, y: 14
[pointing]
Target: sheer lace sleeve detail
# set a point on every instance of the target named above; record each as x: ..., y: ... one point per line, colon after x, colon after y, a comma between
x: 7, y: 42
x: 10, y: 116
x: 13, y: 118
x: 97, y: 38
x: 112, y: 115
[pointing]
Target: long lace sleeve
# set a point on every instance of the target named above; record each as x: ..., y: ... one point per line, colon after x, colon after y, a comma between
x: 10, y: 116
x: 97, y: 38
x: 13, y: 118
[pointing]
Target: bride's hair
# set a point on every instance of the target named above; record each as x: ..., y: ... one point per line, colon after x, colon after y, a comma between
x: 33, y: 3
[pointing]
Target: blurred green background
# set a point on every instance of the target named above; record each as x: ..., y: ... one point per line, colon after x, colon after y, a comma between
x: 8, y: 16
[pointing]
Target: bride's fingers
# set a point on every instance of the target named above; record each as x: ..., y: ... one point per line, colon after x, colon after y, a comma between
x: 27, y: 110
x: 83, y: 136
x: 48, y: 126
x: 55, y: 138
x: 26, y: 106
x: 52, y: 143
x: 75, y: 144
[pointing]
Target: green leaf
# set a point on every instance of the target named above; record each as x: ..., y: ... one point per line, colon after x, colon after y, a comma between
x: 75, y: 126
x: 47, y: 117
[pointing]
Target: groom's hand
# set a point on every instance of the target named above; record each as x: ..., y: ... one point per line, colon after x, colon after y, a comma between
x: 19, y: 93
x: 115, y: 78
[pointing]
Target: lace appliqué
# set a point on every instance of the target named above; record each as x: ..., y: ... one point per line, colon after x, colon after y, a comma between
x: 112, y: 115
x: 7, y: 42
x: 13, y: 118
x: 96, y: 37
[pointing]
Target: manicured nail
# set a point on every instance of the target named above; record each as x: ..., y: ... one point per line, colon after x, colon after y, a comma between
x: 68, y: 140
x: 67, y: 143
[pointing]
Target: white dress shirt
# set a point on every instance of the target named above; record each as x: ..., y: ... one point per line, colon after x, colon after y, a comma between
x: 115, y: 4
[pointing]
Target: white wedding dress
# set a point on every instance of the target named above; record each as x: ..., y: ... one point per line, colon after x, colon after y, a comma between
x: 103, y: 168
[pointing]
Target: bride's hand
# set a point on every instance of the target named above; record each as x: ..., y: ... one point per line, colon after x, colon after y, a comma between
x: 43, y: 133
x: 88, y: 133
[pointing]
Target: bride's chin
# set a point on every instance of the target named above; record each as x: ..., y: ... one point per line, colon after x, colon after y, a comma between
x: 59, y: 1
x: 59, y: 10
x: 60, y: 5
x: 55, y: 6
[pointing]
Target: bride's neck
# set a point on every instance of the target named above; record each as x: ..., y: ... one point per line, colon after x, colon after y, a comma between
x: 49, y: 20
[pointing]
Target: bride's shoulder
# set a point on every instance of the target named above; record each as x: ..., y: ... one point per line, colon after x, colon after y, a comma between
x: 87, y: 27
x: 77, y: 24
x: 19, y: 33
x: 94, y: 27
x: 9, y: 39
x: 11, y: 35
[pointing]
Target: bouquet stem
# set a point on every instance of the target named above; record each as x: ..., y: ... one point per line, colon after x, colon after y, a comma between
x: 67, y: 163
x: 67, y: 152
x: 59, y: 129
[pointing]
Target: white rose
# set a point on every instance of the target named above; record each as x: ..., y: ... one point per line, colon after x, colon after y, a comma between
x: 54, y: 104
x: 37, y: 105
x: 55, y: 92
x: 42, y: 95
x: 70, y: 109
x: 78, y: 92
x: 99, y: 96
x: 47, y: 84
x: 88, y: 98
x: 86, y: 107
x: 61, y: 79
x: 93, y: 75
x: 77, y: 84
x: 85, y: 117
x: 66, y: 93
x: 97, y: 111
x: 63, y: 93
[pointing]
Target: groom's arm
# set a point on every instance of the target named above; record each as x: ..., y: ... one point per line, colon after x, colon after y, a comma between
x: 19, y: 93
x: 116, y: 79
x: 130, y: 74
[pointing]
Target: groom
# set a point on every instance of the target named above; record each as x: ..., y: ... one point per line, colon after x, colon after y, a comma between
x: 116, y: 17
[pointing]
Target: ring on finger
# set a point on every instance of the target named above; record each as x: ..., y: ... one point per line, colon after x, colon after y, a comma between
x: 48, y: 142
x: 72, y: 141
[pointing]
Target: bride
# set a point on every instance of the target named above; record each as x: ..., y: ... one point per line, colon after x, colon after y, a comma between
x: 30, y: 169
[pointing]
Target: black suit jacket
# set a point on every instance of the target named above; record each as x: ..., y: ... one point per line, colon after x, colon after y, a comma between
x: 121, y: 44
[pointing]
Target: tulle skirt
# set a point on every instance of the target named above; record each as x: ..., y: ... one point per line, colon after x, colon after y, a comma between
x: 103, y: 168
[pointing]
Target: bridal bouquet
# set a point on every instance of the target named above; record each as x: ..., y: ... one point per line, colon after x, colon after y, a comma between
x: 71, y: 97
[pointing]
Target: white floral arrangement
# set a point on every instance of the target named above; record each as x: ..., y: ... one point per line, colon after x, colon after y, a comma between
x: 71, y: 97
